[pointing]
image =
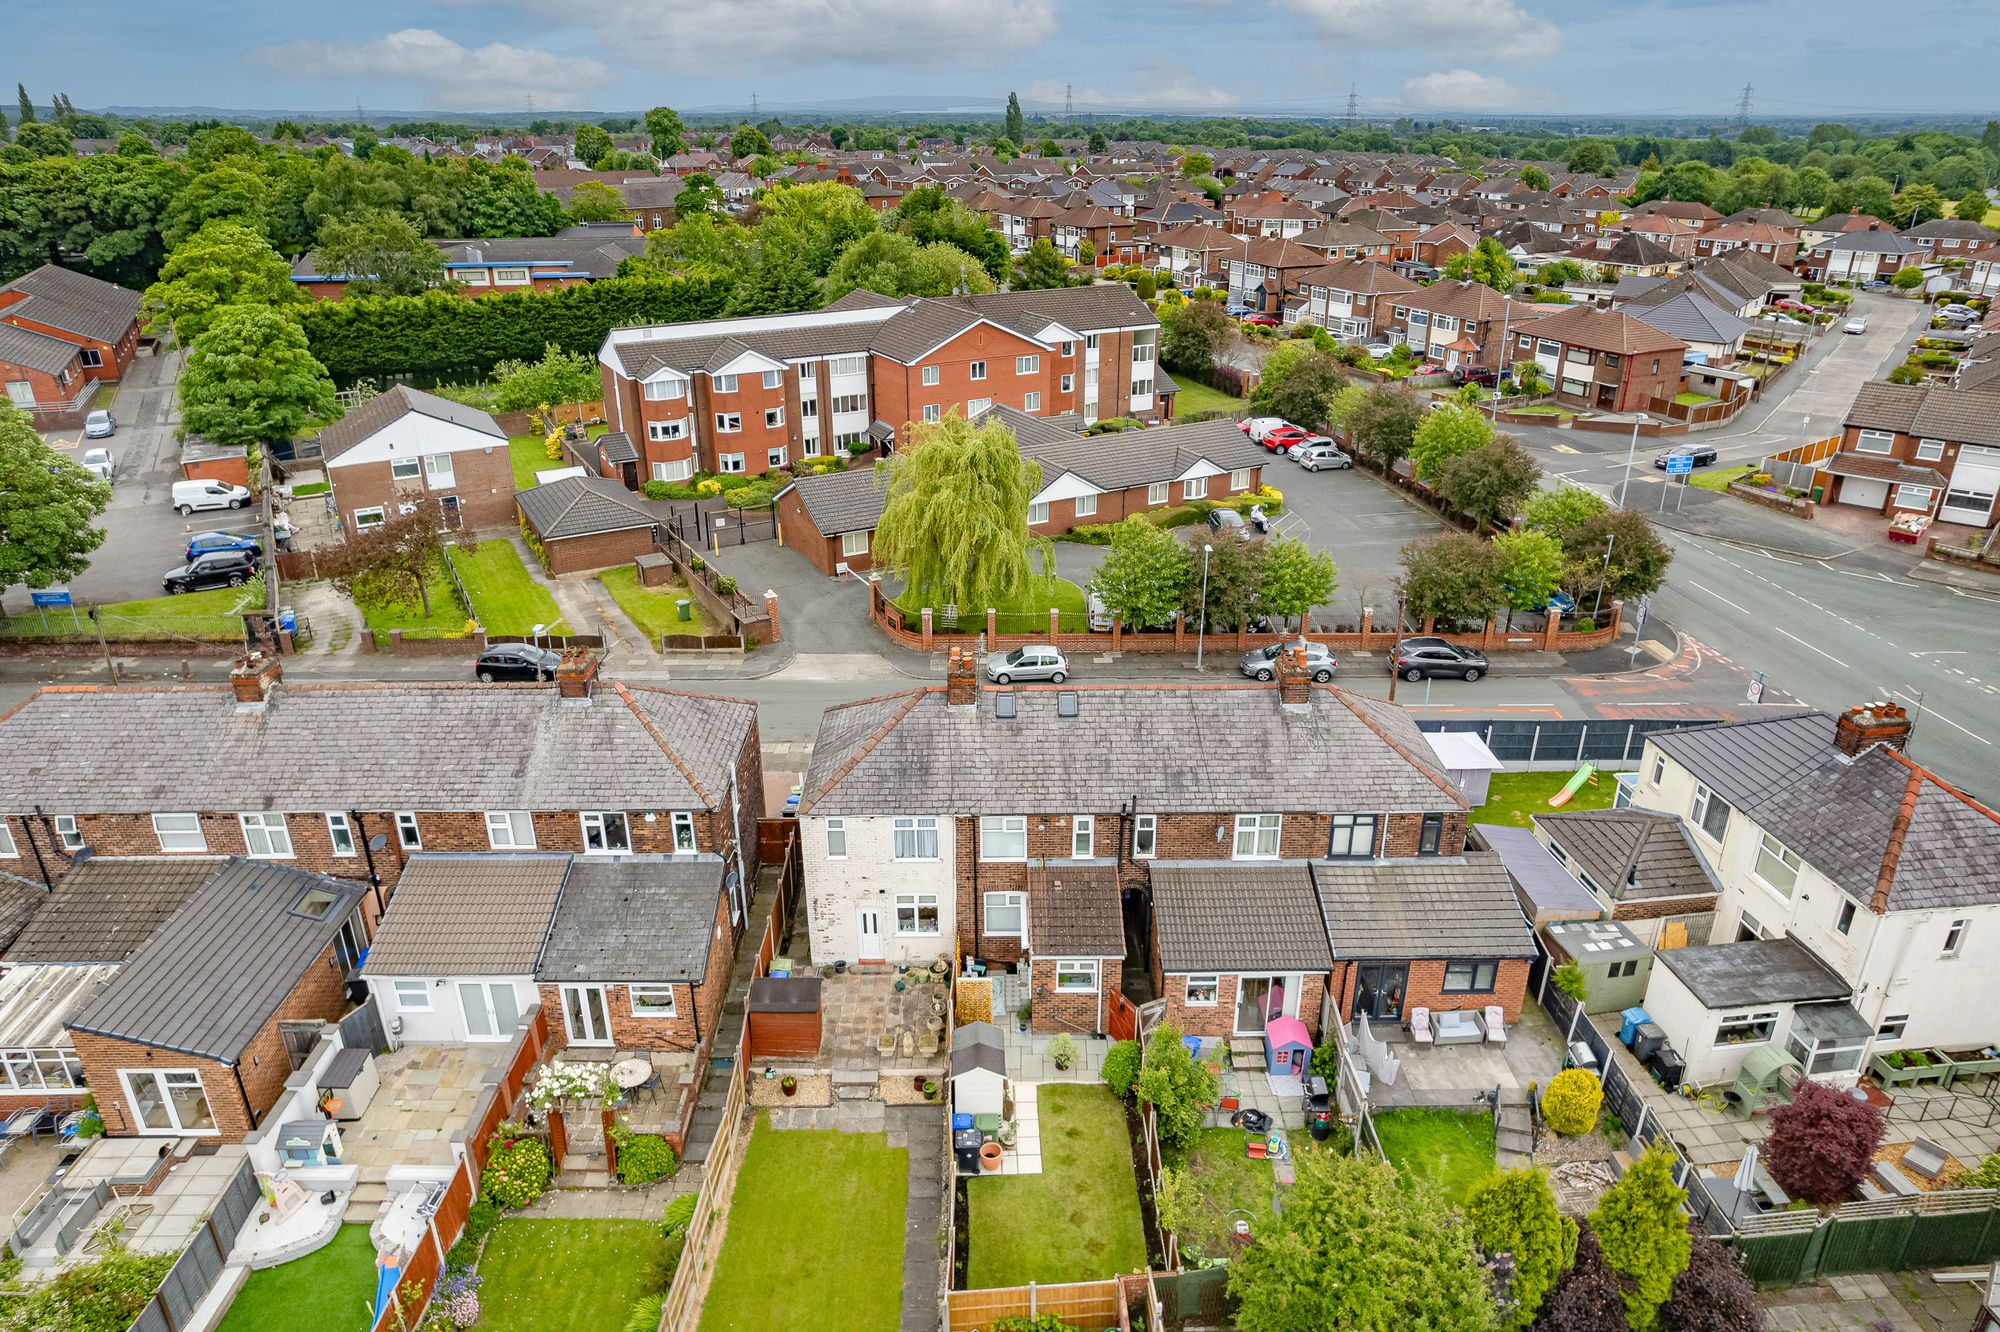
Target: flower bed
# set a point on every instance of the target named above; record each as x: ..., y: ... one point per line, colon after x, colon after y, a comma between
x: 1910, y: 1068
x: 1789, y: 505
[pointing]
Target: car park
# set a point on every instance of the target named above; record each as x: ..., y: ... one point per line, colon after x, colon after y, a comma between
x: 1323, y: 457
x: 192, y: 495
x: 1228, y: 520
x: 1262, y: 663
x: 1703, y: 455
x: 99, y: 463
x: 1859, y: 324
x: 100, y: 424
x: 516, y: 661
x: 1035, y: 661
x: 1421, y: 658
x: 203, y: 542
x: 217, y: 568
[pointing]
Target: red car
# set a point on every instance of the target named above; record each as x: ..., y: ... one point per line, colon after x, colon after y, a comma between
x: 1277, y: 441
x: 1796, y: 307
x: 1261, y: 320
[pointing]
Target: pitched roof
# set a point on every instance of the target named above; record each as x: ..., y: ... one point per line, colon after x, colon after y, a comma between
x: 574, y: 506
x: 468, y: 915
x: 1432, y: 907
x: 837, y: 502
x: 392, y: 405
x: 106, y: 907
x: 1692, y: 317
x: 1357, y: 275
x: 1225, y: 916
x: 1631, y: 854
x: 616, y: 447
x: 1883, y: 406
x: 1883, y: 469
x: 208, y: 979
x: 1124, y: 459
x: 634, y: 918
x: 1075, y: 911
x: 35, y: 351
x: 73, y: 302
x: 1603, y: 330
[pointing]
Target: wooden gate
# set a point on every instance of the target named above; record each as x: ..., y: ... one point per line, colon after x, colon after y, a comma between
x: 1121, y: 1017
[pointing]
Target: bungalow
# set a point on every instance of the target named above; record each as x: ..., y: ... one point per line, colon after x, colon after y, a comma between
x: 100, y: 319
x: 584, y: 253
x: 830, y: 517
x: 404, y: 445
x: 44, y: 376
x: 588, y: 522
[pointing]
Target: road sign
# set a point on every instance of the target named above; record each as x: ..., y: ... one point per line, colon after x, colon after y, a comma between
x: 1639, y: 616
x: 1755, y: 693
x: 1680, y: 464
x: 50, y: 599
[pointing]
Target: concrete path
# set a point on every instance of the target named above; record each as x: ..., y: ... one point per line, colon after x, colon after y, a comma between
x: 920, y: 1128
x: 337, y: 623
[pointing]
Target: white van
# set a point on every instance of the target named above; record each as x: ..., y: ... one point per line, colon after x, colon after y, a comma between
x: 192, y: 495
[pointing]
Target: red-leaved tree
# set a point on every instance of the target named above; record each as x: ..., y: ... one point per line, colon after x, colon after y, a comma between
x: 1821, y: 1144
x: 1712, y: 1293
x: 1587, y: 1298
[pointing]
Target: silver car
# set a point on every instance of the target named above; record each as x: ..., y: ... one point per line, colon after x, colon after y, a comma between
x: 99, y: 463
x: 1036, y: 661
x: 100, y: 425
x: 1262, y: 663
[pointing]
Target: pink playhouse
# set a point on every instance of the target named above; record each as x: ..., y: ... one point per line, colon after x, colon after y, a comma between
x: 1288, y: 1047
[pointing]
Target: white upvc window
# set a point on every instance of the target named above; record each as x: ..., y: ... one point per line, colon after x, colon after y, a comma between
x: 683, y: 832
x: 653, y: 1001
x: 605, y: 832
x: 509, y: 277
x: 1777, y: 866
x: 408, y: 835
x: 1930, y: 450
x: 1914, y: 497
x: 916, y: 839
x: 1083, y: 836
x: 774, y: 379
x: 1659, y: 770
x: 168, y: 1100
x: 438, y: 473
x: 725, y: 383
x: 339, y: 833
x: 849, y: 403
x: 728, y: 423
x: 1156, y: 493
x: 681, y: 469
x: 853, y: 544
x: 1038, y: 513
x: 1203, y: 990
x: 1003, y: 837
x: 933, y: 412
x: 1086, y: 505
x: 1954, y: 936
x: 412, y: 996
x: 978, y: 370
x: 179, y: 833
x: 1145, y: 836
x: 1027, y: 365
x: 808, y: 372
x: 1710, y: 813
x: 1068, y: 349
x: 917, y: 913
x: 1257, y: 836
x: 7, y: 849
x: 1875, y: 441
x: 930, y: 376
x: 773, y: 417
x: 729, y: 462
x: 266, y: 836
x: 510, y: 830
x: 1069, y: 383
x: 662, y: 431
x: 836, y: 839
x: 1090, y: 339
x: 776, y: 457
x: 473, y: 277
x: 1076, y: 975
x: 849, y: 365
x: 1031, y: 403
x: 1239, y: 479
x: 405, y: 469
x: 1006, y: 914
x: 367, y: 518
x: 664, y: 390
x: 974, y: 406
x: 1753, y: 1028
x: 1194, y: 488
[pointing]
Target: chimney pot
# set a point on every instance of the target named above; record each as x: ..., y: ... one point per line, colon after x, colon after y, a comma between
x: 576, y: 674
x: 1294, y: 680
x: 1861, y: 728
x: 961, y: 684
x: 254, y: 677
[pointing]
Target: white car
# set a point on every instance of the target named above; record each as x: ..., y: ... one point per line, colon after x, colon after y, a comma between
x: 1783, y: 320
x: 1857, y: 325
x: 98, y: 462
x: 1297, y: 450
x: 1380, y: 351
x: 1259, y: 426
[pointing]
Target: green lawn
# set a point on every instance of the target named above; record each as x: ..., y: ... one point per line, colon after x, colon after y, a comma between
x: 1232, y: 1186
x: 1541, y: 409
x: 1513, y: 796
x: 815, y: 1235
x: 310, y: 488
x: 1195, y: 397
x: 529, y: 454
x: 563, y: 1276
x: 652, y: 608
x: 1028, y: 615
x: 194, y: 615
x: 505, y: 599
x: 446, y: 620
x: 329, y: 1290
x: 1079, y: 1219
x: 1717, y: 479
x: 1692, y: 399
x: 1451, y: 1148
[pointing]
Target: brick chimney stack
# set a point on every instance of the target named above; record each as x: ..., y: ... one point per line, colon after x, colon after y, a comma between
x: 1860, y: 729
x: 1294, y: 680
x: 255, y: 677
x: 576, y: 673
x: 961, y: 681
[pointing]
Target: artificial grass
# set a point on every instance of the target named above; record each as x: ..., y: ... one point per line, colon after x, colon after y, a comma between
x: 1195, y: 397
x: 1453, y: 1149
x: 815, y: 1234
x: 310, y: 488
x: 1717, y: 479
x: 1026, y: 615
x: 1079, y: 1219
x: 1231, y: 1186
x: 1692, y: 399
x: 505, y: 597
x: 213, y: 614
x: 1512, y: 796
x: 563, y: 1276
x: 329, y: 1290
x: 652, y: 608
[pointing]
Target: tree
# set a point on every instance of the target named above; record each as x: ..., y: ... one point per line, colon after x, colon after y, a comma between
x: 1040, y: 268
x: 698, y: 194
x: 47, y: 504
x: 1531, y: 569
x: 663, y: 123
x: 1014, y: 126
x: 1097, y: 144
x: 1872, y: 196
x: 40, y: 139
x: 1455, y: 576
x: 559, y: 377
x: 395, y: 562
x: 748, y: 141
x: 1384, y: 424
x: 1535, y: 178
x: 1311, y: 1269
x: 1514, y: 1212
x: 250, y: 378
x: 26, y: 104
x: 928, y: 214
x: 895, y: 265
x: 1712, y: 1294
x: 1296, y: 579
x: 1907, y: 278
x: 1299, y: 384
x: 379, y: 253
x: 1234, y: 586
x: 1446, y: 433
x: 778, y: 283
x: 1638, y: 563
x: 1487, y: 263
x: 698, y: 245
x: 1973, y: 206
x: 221, y: 265
x: 1197, y: 164
x: 1639, y: 1226
x: 1144, y: 578
x: 814, y: 223
x: 1587, y: 1297
x: 1489, y: 483
x: 592, y: 145
x: 134, y: 144
x: 1822, y: 1143
x: 1918, y: 203
x: 1560, y: 271
x: 1194, y: 335
x: 1590, y: 157
x: 1561, y: 510
x: 594, y: 201
x: 1179, y: 1087
x: 1341, y: 407
x: 955, y: 518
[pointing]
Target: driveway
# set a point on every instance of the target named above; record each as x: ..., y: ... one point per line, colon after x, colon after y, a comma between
x: 816, y: 614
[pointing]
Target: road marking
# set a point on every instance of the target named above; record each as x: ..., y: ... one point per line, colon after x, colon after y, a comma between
x: 1564, y: 448
x: 1802, y: 643
x: 1941, y: 652
x: 1923, y: 711
x: 1717, y: 595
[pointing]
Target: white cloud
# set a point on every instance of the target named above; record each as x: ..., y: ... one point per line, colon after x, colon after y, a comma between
x: 1469, y: 90
x: 706, y: 37
x: 1162, y: 87
x: 1490, y: 29
x: 451, y: 76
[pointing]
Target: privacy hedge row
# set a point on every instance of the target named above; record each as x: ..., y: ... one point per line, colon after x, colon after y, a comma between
x: 439, y: 333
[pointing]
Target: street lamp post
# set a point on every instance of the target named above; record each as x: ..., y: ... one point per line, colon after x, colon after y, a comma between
x: 1610, y: 540
x: 1506, y: 321
x: 1201, y: 633
x: 1630, y: 449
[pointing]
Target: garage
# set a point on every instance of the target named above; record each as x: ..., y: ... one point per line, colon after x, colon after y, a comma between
x: 1863, y: 493
x: 1974, y: 482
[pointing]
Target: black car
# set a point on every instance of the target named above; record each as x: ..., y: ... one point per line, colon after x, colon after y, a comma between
x: 214, y: 568
x: 1703, y: 455
x: 1421, y: 658
x: 516, y: 661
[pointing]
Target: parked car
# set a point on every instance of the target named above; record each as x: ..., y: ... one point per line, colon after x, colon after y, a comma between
x: 1959, y: 314
x: 1795, y: 307
x: 1859, y: 324
x: 1298, y: 446
x: 203, y: 542
x: 1262, y: 663
x: 99, y: 463
x: 1783, y: 320
x: 1277, y: 441
x: 1323, y: 457
x: 1379, y: 351
x: 216, y: 568
x: 1703, y: 455
x: 1227, y: 520
x: 1483, y: 376
x: 1259, y: 426
x: 1261, y: 320
x: 516, y: 661
x: 192, y: 495
x: 1037, y: 661
x: 100, y: 424
x: 1420, y: 658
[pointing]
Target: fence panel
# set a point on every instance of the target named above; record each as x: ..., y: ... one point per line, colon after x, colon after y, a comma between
x: 1600, y: 741
x: 363, y: 1030
x: 1091, y: 1304
x: 1779, y: 1260
x: 1199, y: 1296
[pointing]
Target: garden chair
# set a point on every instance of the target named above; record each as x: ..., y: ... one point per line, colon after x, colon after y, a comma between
x: 1420, y: 1026
x: 1925, y: 1157
x: 1496, y: 1024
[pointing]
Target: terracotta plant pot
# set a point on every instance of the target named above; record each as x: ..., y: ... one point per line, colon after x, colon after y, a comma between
x: 989, y: 1157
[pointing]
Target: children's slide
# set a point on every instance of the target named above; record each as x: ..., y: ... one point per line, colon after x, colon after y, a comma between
x: 1587, y: 773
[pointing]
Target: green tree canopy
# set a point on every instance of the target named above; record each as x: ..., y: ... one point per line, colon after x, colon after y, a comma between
x: 1514, y: 1212
x: 1488, y: 483
x: 1444, y: 434
x: 1193, y: 335
x: 1355, y: 1249
x: 1535, y: 178
x: 1296, y: 579
x: 698, y: 194
x: 928, y: 214
x: 701, y: 245
x: 592, y: 145
x: 47, y: 505
x: 1591, y: 157
x: 748, y: 141
x: 1097, y: 144
x: 379, y: 253
x: 1041, y: 267
x: 594, y: 201
x: 559, y: 377
x: 1299, y: 382
x: 1384, y: 424
x: 1234, y: 586
x: 1014, y: 126
x: 1144, y: 578
x: 1197, y: 164
x: 1179, y: 1086
x: 1639, y: 558
x: 1640, y: 1227
x: 896, y: 265
x: 1918, y: 203
x: 955, y: 517
x: 250, y: 378
x: 1487, y: 263
x: 1562, y: 510
x: 1973, y: 205
x: 41, y: 139
x: 814, y: 223
x: 223, y: 264
x: 1531, y: 569
x: 1455, y: 576
x: 663, y: 123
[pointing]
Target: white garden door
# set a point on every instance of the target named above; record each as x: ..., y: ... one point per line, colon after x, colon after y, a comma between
x: 871, y: 935
x: 491, y: 1013
x: 584, y: 1015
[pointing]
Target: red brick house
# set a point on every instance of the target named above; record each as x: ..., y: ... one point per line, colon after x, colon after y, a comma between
x: 1455, y: 324
x: 405, y: 445
x: 1602, y: 360
x: 1920, y: 448
x: 589, y: 522
x: 44, y: 377
x: 1760, y: 238
x: 100, y: 319
x: 1350, y: 298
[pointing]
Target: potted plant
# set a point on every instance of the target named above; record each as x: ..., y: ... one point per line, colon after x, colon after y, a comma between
x: 1009, y: 1133
x: 789, y: 1085
x: 1023, y: 1013
x: 917, y: 1082
x: 930, y: 1089
x: 1062, y: 1050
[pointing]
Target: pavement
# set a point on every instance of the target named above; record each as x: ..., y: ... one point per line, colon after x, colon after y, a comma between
x: 1890, y: 1302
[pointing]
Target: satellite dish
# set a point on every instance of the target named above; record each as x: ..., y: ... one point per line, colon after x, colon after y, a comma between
x: 377, y: 842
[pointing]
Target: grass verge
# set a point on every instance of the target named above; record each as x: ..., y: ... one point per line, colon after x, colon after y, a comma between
x: 1195, y: 397
x: 215, y: 614
x: 1027, y: 615
x: 653, y: 608
x: 1717, y: 479
x: 1079, y: 1219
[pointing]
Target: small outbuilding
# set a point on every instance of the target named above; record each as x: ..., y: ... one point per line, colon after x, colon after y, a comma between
x: 783, y: 1013
x: 588, y: 522
x: 978, y: 1070
x: 1615, y: 965
x: 1464, y: 756
x: 1288, y: 1047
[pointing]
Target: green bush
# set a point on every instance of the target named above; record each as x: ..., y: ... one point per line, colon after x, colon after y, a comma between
x: 725, y: 586
x: 1572, y: 1101
x: 1089, y: 534
x: 517, y: 1171
x: 103, y: 1295
x: 666, y: 490
x: 1586, y: 625
x: 480, y: 1219
x: 679, y: 1214
x: 1047, y: 1322
x: 663, y: 1263
x: 644, y: 1157
x: 756, y: 495
x: 1121, y: 1068
x: 646, y: 1314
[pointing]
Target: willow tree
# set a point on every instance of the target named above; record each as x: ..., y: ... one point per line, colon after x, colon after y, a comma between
x: 955, y: 517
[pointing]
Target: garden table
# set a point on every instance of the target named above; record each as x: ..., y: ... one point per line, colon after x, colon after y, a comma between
x: 630, y: 1073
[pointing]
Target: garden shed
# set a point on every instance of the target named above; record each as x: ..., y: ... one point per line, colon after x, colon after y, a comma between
x: 978, y: 1070
x: 1465, y: 757
x: 783, y: 1014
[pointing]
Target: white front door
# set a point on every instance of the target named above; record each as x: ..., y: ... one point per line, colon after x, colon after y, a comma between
x: 491, y: 1013
x: 871, y: 934
x: 584, y: 1015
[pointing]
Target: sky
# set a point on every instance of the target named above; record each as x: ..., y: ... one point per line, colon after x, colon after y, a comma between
x: 1839, y: 58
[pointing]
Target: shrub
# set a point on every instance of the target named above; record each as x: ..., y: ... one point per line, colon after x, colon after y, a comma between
x: 1039, y: 1323
x: 666, y: 490
x: 1586, y: 625
x: 1906, y: 374
x: 1986, y: 1176
x: 644, y: 1157
x: 679, y: 1214
x: 1090, y: 534
x: 1121, y: 1068
x: 1515, y: 1212
x: 1822, y: 1143
x: 662, y: 1263
x: 1572, y: 1100
x: 755, y: 495
x: 1180, y: 1087
x: 646, y: 1314
x: 1713, y: 1293
x: 517, y: 1171
x: 1570, y: 980
x: 480, y: 1219
x: 725, y: 585
x: 1062, y: 1050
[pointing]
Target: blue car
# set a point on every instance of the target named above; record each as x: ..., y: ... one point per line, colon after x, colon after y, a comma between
x: 207, y: 541
x: 1561, y: 604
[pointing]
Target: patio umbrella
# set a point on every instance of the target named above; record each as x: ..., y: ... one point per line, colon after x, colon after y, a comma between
x: 1745, y: 1178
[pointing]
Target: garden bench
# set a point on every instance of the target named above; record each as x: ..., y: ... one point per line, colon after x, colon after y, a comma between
x: 1894, y: 1180
x: 1925, y: 1157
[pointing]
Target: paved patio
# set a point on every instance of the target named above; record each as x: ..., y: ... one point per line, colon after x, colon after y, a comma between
x: 1898, y: 1301
x: 1028, y: 1052
x: 1454, y: 1074
x: 857, y: 1008
x: 164, y: 1220
x: 427, y: 1092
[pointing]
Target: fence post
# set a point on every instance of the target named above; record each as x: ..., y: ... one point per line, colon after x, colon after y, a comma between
x: 1055, y: 623
x: 992, y: 627
x: 927, y: 628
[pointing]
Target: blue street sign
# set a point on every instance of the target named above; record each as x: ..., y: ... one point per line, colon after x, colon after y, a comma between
x: 1680, y: 465
x: 50, y: 599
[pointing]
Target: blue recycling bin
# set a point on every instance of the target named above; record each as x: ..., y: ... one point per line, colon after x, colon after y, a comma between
x: 959, y: 1123
x: 288, y: 620
x: 1628, y: 1027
